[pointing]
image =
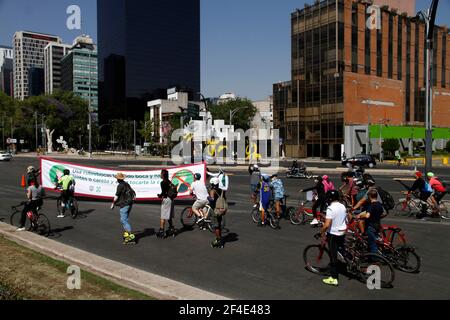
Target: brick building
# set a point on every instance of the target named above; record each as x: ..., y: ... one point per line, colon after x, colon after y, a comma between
x: 349, y: 80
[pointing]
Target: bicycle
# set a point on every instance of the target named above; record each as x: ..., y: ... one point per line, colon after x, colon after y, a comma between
x: 72, y: 203
x: 317, y: 259
x: 402, y: 257
x: 270, y: 216
x: 409, y: 205
x: 189, y: 219
x: 303, y: 214
x: 34, y: 222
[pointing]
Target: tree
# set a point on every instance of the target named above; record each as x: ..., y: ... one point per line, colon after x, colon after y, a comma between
x: 243, y: 117
x: 447, y: 147
x: 390, y: 146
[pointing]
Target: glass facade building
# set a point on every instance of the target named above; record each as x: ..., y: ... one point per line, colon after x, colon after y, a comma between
x: 145, y: 47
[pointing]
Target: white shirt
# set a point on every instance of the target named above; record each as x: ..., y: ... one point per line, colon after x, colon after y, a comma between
x: 337, y: 213
x: 224, y: 181
x: 200, y: 191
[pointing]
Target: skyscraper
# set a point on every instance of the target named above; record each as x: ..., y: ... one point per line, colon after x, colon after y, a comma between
x: 145, y: 47
x: 28, y: 53
x: 53, y: 54
x: 79, y: 71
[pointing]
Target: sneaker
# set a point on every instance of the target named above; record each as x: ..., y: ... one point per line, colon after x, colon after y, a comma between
x: 261, y: 224
x: 331, y: 281
x: 217, y: 244
x: 255, y: 206
x: 20, y: 229
x: 160, y: 234
x: 171, y: 232
x: 315, y: 222
x: 61, y: 216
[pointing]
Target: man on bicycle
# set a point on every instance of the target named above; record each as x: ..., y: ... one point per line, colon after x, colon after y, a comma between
x: 372, y: 220
x: 35, y: 194
x: 425, y: 191
x: 335, y: 227
x: 200, y: 191
x: 255, y: 178
x: 278, y: 194
x: 67, y: 183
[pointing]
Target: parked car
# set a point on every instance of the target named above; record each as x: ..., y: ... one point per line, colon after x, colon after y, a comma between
x: 5, y: 156
x: 360, y: 160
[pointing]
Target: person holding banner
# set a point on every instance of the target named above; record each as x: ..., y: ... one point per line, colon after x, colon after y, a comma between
x: 167, y: 206
x: 124, y: 199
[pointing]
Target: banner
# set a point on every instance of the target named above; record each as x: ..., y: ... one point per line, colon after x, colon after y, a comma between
x: 100, y: 183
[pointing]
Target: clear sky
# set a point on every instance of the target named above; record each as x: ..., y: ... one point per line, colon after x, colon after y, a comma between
x: 245, y: 43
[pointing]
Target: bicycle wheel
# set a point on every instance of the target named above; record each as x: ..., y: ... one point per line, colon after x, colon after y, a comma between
x: 288, y: 213
x: 298, y: 217
x: 209, y: 216
x: 188, y: 218
x: 403, y: 208
x: 256, y: 215
x: 407, y: 260
x: 443, y: 211
x: 375, y: 262
x: 74, y: 208
x: 42, y: 226
x: 15, y: 221
x: 317, y: 259
x: 273, y: 221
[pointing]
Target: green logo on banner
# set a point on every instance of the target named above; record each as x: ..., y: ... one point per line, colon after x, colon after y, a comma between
x: 56, y: 172
x: 183, y: 179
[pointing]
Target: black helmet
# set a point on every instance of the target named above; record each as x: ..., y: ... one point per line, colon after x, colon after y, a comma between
x: 332, y: 196
x: 198, y: 176
x: 66, y: 172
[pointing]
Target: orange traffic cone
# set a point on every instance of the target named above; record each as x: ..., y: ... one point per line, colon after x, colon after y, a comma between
x: 23, y: 185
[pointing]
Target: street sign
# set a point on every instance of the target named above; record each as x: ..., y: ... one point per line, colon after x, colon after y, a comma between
x: 193, y: 111
x: 11, y: 141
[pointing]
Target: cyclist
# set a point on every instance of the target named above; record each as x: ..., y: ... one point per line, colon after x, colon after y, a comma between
x: 265, y: 195
x: 167, y: 206
x: 335, y: 226
x: 372, y: 223
x: 439, y: 191
x: 362, y: 198
x: 278, y: 194
x: 198, y: 189
x: 321, y: 200
x: 32, y: 174
x: 255, y: 179
x: 35, y: 195
x: 67, y: 183
x: 214, y: 194
x: 425, y: 191
x: 349, y: 187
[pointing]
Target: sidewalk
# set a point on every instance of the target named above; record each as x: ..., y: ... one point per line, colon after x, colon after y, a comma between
x: 145, y: 282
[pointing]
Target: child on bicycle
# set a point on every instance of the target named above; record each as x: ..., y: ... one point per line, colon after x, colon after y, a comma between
x: 35, y: 195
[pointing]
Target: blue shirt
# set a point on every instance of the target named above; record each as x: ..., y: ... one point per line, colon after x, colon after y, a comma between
x: 265, y: 195
x: 278, y: 189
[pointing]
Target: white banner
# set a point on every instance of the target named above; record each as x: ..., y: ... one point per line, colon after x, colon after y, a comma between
x: 100, y: 183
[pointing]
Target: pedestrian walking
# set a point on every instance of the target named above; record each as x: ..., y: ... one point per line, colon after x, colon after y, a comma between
x: 124, y: 199
x: 168, y: 194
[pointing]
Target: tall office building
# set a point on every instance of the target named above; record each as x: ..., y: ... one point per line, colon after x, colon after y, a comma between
x: 79, y: 71
x: 53, y: 54
x: 6, y: 70
x: 28, y: 53
x: 145, y: 47
x: 353, y: 85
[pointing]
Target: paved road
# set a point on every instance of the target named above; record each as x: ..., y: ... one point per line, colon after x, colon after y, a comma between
x: 256, y: 263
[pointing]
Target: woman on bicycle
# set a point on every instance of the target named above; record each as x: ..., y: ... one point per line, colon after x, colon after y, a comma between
x: 321, y: 200
x: 35, y: 194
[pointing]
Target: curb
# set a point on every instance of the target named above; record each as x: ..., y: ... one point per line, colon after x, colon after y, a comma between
x: 148, y: 283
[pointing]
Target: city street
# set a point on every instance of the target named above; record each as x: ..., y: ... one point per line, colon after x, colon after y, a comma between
x: 257, y: 263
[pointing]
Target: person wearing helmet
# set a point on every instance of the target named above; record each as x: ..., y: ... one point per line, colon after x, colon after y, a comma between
x: 255, y: 178
x: 335, y: 227
x: 320, y: 202
x: 425, y: 191
x: 67, y: 184
x: 265, y: 195
x: 200, y: 191
x: 216, y: 193
x: 439, y: 191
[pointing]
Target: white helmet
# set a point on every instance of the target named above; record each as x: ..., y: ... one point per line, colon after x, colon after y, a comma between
x: 214, y: 181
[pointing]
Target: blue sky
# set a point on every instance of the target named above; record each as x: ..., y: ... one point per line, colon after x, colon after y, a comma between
x: 245, y: 43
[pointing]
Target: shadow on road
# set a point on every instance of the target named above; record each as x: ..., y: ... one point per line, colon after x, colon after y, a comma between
x: 84, y: 214
x: 231, y: 237
x: 144, y: 234
x: 57, y: 233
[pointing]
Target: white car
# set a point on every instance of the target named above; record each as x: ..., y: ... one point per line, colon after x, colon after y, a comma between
x: 5, y: 156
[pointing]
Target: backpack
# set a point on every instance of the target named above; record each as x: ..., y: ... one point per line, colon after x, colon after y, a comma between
x: 388, y: 200
x: 173, y: 191
x: 221, y: 206
x: 129, y: 196
x: 427, y: 188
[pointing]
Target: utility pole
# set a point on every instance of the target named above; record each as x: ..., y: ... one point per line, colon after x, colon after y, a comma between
x: 44, y: 144
x: 135, y: 147
x: 36, y: 128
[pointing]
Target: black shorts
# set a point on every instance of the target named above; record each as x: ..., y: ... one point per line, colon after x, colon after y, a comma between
x: 438, y: 196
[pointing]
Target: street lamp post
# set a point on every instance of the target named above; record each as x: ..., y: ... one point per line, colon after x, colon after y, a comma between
x: 429, y: 16
x: 234, y: 112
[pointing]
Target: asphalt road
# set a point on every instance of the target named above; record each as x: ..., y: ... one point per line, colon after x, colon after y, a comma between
x: 257, y: 263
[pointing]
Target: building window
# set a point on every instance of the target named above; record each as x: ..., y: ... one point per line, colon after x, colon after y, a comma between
x: 355, y: 38
x: 400, y: 49
x: 391, y: 47
x: 367, y: 47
